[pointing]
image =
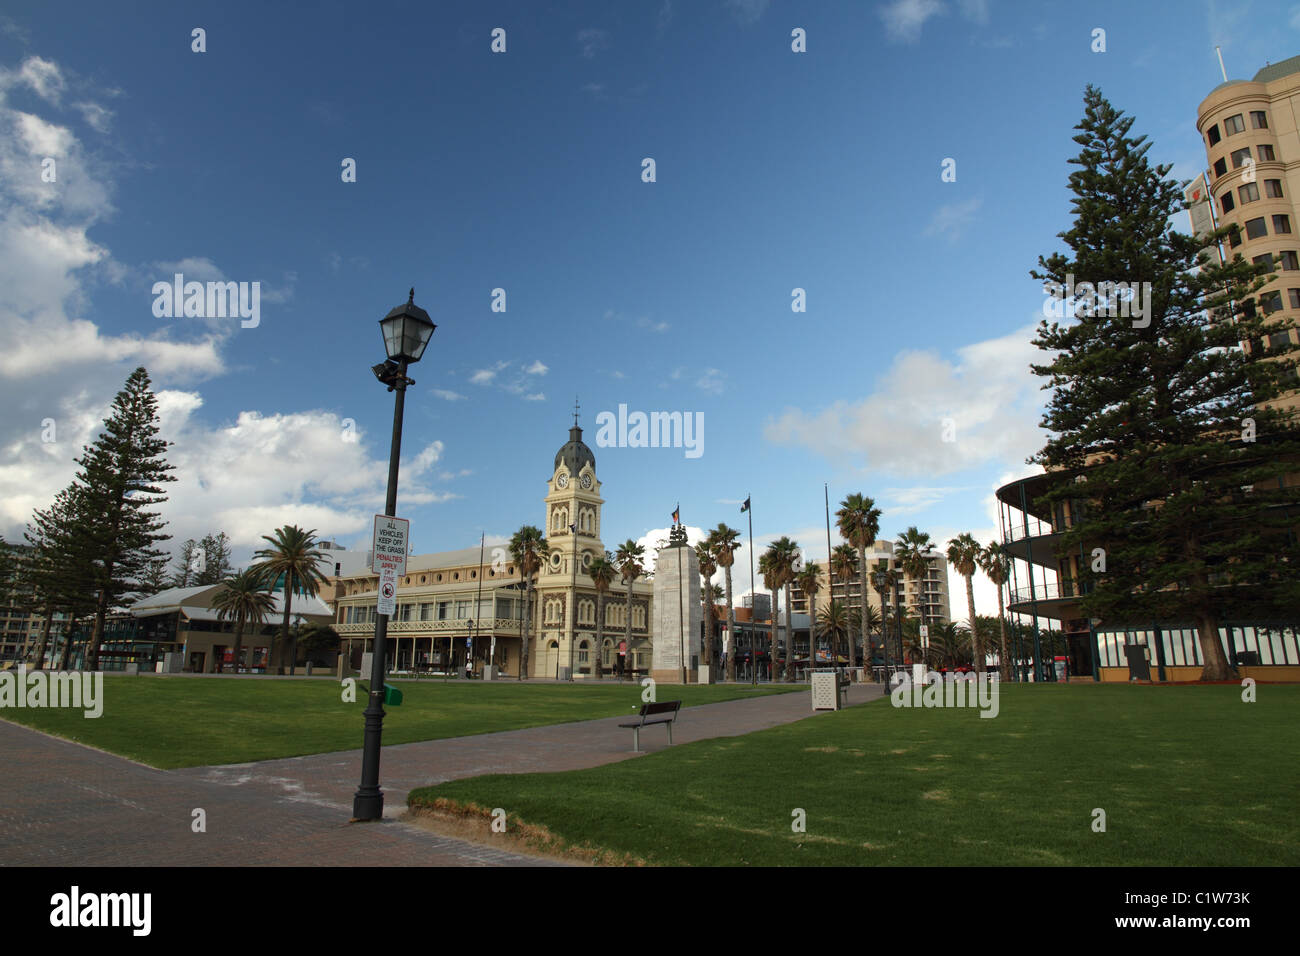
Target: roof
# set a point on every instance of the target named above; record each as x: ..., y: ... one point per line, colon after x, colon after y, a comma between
x: 194, y: 603
x: 171, y: 598
x: 1275, y: 71
x: 574, y: 453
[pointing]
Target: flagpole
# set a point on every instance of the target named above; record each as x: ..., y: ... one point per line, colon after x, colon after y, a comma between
x: 812, y: 611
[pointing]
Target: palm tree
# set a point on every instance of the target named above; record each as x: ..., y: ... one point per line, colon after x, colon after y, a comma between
x: 244, y: 600
x: 912, y: 555
x: 529, y: 548
x: 833, y: 622
x: 785, y: 554
x: 859, y: 522
x: 628, y: 559
x: 964, y: 555
x: 874, y: 623
x: 723, y: 542
x: 293, y: 556
x: 769, y: 568
x: 950, y: 644
x: 708, y: 567
x: 602, y: 572
x: 809, y: 581
x: 844, y: 568
x: 993, y: 562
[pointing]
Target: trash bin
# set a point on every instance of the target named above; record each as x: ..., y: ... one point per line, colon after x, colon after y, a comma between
x: 392, y: 696
x: 825, y: 690
x: 308, y: 668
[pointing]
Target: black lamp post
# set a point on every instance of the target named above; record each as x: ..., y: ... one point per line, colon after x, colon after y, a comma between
x: 406, y: 330
x: 880, y: 578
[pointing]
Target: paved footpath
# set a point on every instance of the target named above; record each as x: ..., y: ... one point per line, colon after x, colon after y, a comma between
x: 69, y: 805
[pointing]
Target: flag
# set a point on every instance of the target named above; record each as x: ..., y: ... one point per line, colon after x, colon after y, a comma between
x: 573, y: 529
x: 745, y: 506
x: 676, y: 512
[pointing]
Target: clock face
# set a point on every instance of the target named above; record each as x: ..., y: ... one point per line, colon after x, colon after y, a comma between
x: 586, y: 481
x: 562, y: 481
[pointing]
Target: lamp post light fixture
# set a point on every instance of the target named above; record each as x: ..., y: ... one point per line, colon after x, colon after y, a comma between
x: 406, y: 331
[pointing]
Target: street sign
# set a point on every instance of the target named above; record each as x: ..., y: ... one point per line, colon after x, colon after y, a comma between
x: 389, y: 544
x: 925, y: 636
x: 387, y: 601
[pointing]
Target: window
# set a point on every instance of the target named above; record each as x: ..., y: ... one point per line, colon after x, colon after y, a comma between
x: 582, y: 653
x: 443, y: 607
x: 1255, y: 228
x: 1294, y: 296
x: 1281, y: 224
x: 1240, y: 156
x: 1271, y: 302
x: 1266, y: 153
x: 1248, y: 192
x: 1234, y: 124
x: 1273, y: 188
x: 1289, y: 261
x: 1265, y: 260
x: 1220, y: 166
x: 1227, y: 202
x: 1234, y: 237
x: 1212, y: 134
x: 1258, y: 119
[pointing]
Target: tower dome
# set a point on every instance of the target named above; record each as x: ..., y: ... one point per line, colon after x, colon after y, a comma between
x: 574, y: 453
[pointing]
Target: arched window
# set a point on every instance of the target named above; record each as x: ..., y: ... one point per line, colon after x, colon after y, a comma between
x: 582, y: 653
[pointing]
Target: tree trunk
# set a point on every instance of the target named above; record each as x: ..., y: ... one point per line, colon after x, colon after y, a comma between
x: 239, y: 639
x: 866, y: 641
x: 600, y: 634
x: 91, y: 660
x: 627, y: 633
x: 977, y: 644
x: 706, y: 652
x: 1002, y: 633
x: 771, y: 664
x: 789, y: 639
x: 1217, y: 666
x: 41, y: 642
x: 289, y: 639
x: 523, y: 647
x: 731, y: 631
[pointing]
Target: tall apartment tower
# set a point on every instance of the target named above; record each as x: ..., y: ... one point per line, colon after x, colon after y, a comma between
x: 1251, y: 132
x: 926, y: 599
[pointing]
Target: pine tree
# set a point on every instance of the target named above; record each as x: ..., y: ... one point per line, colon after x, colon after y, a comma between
x: 57, y: 571
x: 1164, y: 434
x: 120, y: 477
x: 215, y: 549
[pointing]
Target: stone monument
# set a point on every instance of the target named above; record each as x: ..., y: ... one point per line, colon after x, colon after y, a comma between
x: 677, y: 614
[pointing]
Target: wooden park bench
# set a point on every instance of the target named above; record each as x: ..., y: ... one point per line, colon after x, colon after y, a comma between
x: 663, y: 713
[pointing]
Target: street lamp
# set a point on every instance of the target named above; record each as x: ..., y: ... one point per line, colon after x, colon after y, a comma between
x: 406, y: 331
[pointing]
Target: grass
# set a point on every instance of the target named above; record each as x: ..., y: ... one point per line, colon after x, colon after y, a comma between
x: 1187, y: 776
x: 170, y: 722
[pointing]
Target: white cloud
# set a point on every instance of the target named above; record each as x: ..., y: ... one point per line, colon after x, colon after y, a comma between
x: 41, y: 76
x: 537, y: 368
x: 905, y: 18
x: 448, y: 395
x: 592, y: 41
x: 535, y: 397
x: 748, y: 11
x: 988, y: 392
x: 977, y: 11
x: 712, y: 380
x: 950, y: 221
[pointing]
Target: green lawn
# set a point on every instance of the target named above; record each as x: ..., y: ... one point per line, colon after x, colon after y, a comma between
x: 170, y: 722
x: 1187, y: 776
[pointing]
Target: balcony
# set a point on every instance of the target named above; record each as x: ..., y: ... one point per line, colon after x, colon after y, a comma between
x: 1047, y: 592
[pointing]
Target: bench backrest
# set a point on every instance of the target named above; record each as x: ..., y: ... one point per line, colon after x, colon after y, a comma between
x: 665, y: 707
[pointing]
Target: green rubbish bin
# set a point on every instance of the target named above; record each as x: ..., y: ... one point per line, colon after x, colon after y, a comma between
x: 392, y: 696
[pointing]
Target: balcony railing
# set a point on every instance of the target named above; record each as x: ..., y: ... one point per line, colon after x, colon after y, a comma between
x: 1035, y: 529
x: 462, y: 625
x: 1047, y: 592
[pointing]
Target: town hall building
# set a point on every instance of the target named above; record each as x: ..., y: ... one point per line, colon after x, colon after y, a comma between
x: 468, y: 605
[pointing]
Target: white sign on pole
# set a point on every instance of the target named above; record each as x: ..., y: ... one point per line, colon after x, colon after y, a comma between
x: 387, y: 601
x: 925, y: 636
x: 389, y: 544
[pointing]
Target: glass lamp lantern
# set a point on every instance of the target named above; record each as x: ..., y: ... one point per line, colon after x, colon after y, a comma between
x: 406, y: 330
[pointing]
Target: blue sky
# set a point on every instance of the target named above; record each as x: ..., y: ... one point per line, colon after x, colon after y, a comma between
x: 522, y: 170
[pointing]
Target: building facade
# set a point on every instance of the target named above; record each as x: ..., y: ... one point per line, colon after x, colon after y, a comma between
x: 455, y: 607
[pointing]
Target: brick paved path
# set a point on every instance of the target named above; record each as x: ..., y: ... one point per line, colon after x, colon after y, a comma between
x: 69, y: 805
